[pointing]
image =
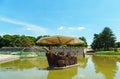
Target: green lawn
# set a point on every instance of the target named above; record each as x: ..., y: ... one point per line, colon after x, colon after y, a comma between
x: 107, y: 53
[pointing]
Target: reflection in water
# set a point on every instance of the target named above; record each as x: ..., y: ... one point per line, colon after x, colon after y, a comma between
x: 25, y: 63
x: 69, y: 73
x: 63, y: 74
x: 105, y: 65
x: 95, y: 67
x: 83, y: 62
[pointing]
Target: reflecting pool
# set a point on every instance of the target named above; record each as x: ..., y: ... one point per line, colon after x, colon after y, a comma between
x: 93, y: 67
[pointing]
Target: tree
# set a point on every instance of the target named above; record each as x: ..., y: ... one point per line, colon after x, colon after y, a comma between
x: 26, y: 41
x: 0, y: 41
x: 16, y: 41
x: 97, y: 42
x: 32, y: 40
x: 85, y: 42
x: 6, y: 41
x: 117, y: 44
x: 41, y: 37
x: 108, y: 38
x: 38, y: 38
x: 105, y: 40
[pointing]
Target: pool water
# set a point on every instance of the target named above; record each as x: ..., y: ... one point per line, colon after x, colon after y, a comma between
x: 93, y: 67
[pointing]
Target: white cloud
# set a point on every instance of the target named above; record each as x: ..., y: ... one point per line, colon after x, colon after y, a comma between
x: 30, y: 27
x: 61, y: 28
x: 81, y: 28
x: 70, y: 28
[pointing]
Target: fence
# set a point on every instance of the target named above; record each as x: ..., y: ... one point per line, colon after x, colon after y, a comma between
x: 71, y: 50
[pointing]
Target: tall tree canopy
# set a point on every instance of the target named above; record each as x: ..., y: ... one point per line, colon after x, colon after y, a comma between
x: 6, y: 40
x: 17, y: 41
x: 25, y: 41
x: 0, y: 41
x: 85, y: 42
x: 105, y: 40
x: 117, y: 44
x: 41, y: 37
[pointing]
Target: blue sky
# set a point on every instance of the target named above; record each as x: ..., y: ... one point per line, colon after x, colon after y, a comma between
x: 59, y: 17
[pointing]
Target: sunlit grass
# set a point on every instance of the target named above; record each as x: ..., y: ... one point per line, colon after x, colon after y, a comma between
x: 107, y: 53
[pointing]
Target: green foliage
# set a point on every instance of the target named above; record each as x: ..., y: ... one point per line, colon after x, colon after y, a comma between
x: 104, y: 41
x: 17, y: 41
x: 97, y: 42
x: 85, y: 42
x: 117, y: 44
x: 28, y: 41
x: 32, y: 40
x: 107, y: 53
x: 41, y: 37
x: 25, y: 42
x: 0, y: 41
x: 6, y: 40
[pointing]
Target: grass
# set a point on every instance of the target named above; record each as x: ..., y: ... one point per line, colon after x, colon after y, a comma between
x: 107, y: 53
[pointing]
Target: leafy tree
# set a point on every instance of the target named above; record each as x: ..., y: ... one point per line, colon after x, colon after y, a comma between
x: 85, y: 42
x: 104, y: 41
x: 41, y: 37
x: 6, y: 41
x: 38, y: 38
x: 0, y: 41
x: 97, y: 42
x: 32, y: 40
x: 108, y: 38
x: 16, y: 41
x: 25, y: 41
x: 117, y: 44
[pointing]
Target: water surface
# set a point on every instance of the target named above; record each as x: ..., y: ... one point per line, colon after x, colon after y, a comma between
x: 94, y: 67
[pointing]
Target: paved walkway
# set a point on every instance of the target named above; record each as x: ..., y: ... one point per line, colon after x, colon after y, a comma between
x: 8, y: 58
